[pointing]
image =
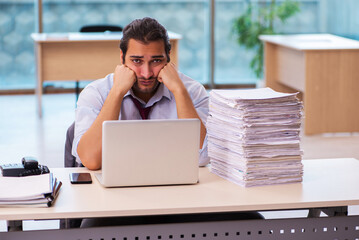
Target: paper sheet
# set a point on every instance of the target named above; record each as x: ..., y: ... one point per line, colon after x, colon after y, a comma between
x: 253, y: 136
x: 23, y: 188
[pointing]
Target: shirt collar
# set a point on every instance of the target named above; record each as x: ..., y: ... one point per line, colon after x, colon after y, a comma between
x: 161, y: 92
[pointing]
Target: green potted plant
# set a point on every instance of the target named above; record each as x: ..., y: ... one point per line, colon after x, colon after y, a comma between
x: 251, y: 24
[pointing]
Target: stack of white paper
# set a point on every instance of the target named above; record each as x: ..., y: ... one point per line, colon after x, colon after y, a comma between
x: 38, y: 189
x: 253, y: 136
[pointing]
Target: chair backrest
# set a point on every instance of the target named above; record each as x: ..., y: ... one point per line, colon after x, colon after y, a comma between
x: 69, y: 159
x: 101, y: 28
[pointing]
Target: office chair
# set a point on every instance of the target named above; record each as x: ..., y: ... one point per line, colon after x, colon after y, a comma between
x: 101, y: 28
x: 70, y: 161
x: 96, y: 28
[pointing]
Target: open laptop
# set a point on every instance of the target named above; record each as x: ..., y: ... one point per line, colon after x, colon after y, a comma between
x: 149, y: 152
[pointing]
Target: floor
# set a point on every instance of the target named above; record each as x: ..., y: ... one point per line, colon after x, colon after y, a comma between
x: 23, y: 133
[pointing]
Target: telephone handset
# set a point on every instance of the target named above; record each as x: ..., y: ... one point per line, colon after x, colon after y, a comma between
x: 29, y: 166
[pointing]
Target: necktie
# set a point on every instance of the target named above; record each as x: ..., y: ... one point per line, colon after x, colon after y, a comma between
x: 143, y: 111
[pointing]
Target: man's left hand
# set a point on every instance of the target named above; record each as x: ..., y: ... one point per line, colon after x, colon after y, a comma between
x: 170, y: 78
x: 185, y: 109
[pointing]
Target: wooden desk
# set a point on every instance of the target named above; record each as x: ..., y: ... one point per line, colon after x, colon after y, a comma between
x: 326, y: 183
x: 80, y: 56
x: 325, y: 69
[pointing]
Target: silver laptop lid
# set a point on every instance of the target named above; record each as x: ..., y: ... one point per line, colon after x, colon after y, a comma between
x: 150, y: 152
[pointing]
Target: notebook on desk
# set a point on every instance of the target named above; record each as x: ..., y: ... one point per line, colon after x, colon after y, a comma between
x: 149, y: 152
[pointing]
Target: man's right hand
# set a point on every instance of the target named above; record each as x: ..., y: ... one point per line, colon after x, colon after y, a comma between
x: 123, y: 79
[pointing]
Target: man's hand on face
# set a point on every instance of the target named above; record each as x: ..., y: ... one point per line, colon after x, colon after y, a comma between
x: 170, y: 78
x: 124, y: 78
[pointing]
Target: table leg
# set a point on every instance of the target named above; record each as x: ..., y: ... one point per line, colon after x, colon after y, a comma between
x: 330, y: 211
x: 39, y: 80
x: 39, y: 98
x: 13, y: 226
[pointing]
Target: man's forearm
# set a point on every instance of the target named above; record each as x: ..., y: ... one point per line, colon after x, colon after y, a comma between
x: 90, y: 145
x: 185, y: 109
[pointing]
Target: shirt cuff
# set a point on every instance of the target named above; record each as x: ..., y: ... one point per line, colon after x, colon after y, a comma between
x: 203, y: 154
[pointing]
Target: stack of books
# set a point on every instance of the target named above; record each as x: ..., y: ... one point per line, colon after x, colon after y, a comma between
x: 253, y: 136
x: 38, y: 189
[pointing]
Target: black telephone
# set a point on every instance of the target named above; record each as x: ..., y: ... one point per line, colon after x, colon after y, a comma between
x: 29, y: 166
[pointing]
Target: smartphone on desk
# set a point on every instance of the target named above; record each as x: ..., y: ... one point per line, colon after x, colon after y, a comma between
x: 80, y: 178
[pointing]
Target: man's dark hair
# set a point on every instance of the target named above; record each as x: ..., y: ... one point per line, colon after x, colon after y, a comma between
x: 145, y: 30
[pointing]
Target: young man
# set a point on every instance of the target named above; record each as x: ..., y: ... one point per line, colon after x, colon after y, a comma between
x: 146, y: 85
